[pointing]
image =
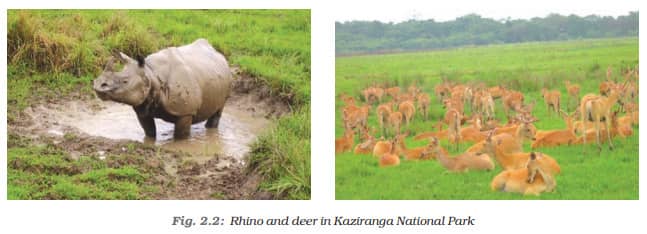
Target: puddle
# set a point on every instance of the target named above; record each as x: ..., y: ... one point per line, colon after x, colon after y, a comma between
x: 238, y: 128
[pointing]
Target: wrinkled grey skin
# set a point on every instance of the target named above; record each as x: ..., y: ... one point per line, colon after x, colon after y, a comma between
x: 182, y: 85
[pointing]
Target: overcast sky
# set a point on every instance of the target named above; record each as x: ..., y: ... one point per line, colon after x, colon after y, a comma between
x: 444, y: 10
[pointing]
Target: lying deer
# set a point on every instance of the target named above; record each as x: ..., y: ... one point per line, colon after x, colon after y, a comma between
x: 530, y: 179
x: 460, y: 163
x: 557, y: 137
x: 509, y: 161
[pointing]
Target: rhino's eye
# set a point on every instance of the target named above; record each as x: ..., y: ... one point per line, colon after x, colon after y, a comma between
x: 125, y: 81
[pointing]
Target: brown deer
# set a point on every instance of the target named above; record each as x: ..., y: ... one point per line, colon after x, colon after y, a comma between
x: 573, y: 92
x: 551, y: 99
x: 509, y: 161
x: 417, y: 153
x: 598, y: 109
x: 408, y: 110
x: 460, y: 163
x: 423, y: 103
x: 345, y: 143
x: 390, y: 158
x: 383, y: 111
x: 557, y: 137
x: 453, y: 118
x: 395, y: 121
x: 365, y: 147
x: 529, y: 180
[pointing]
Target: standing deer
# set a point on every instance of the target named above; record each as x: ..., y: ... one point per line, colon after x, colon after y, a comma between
x: 395, y: 121
x: 551, y: 99
x: 453, y: 118
x: 408, y: 110
x: 573, y: 92
x: 598, y: 109
x: 383, y: 112
x: 423, y: 104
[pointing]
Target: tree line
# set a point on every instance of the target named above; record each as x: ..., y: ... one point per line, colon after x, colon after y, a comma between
x: 374, y: 37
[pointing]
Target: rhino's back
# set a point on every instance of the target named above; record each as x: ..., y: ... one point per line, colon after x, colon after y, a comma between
x: 204, y: 66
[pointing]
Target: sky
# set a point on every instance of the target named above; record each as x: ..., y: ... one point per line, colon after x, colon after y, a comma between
x: 445, y: 10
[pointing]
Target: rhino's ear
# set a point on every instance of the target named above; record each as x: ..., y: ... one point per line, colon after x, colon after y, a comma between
x: 125, y: 59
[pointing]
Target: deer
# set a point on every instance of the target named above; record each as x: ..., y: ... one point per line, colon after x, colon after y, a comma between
x: 573, y: 91
x: 356, y: 117
x: 487, y: 105
x: 366, y: 147
x: 383, y: 111
x: 417, y: 153
x: 395, y: 121
x: 473, y: 133
x: 631, y: 118
x: 423, y: 104
x: 393, y: 92
x: 345, y: 143
x: 512, y: 142
x: 531, y: 179
x: 440, y: 133
x: 348, y: 100
x: 551, y: 99
x: 497, y: 91
x: 368, y: 93
x: 460, y: 163
x: 597, y: 109
x: 510, y: 161
x: 408, y: 110
x: 453, y: 118
x: 413, y: 90
x: 381, y: 147
x: 512, y: 100
x: 390, y: 158
x: 557, y: 137
x: 442, y: 91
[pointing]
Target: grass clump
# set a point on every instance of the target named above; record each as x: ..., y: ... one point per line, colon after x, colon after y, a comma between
x: 282, y: 156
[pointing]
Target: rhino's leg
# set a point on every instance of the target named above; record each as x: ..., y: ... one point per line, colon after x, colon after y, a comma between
x: 148, y: 124
x: 213, y: 121
x: 182, y: 127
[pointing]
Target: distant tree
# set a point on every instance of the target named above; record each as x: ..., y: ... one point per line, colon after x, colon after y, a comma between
x: 472, y: 29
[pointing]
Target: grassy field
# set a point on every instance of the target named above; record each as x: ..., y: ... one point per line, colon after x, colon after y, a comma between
x: 526, y: 67
x: 54, y: 55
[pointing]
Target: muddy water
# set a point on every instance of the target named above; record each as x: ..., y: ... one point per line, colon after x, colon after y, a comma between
x: 237, y: 129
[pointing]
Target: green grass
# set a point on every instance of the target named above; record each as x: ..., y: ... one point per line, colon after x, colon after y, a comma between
x: 527, y: 67
x: 55, y: 54
x: 47, y: 172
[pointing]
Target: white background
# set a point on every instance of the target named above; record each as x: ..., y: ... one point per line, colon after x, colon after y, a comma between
x: 156, y: 216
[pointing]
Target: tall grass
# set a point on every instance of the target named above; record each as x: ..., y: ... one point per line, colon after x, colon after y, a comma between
x: 527, y: 67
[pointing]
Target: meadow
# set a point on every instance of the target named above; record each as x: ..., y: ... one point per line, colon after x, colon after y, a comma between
x: 53, y: 55
x: 526, y: 67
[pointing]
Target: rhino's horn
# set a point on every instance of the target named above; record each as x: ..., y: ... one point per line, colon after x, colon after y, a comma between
x: 110, y: 65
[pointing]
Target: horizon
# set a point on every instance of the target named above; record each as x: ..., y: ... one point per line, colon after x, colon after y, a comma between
x: 485, y: 17
x: 405, y: 10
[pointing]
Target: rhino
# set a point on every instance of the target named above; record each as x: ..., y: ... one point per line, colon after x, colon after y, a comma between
x: 182, y: 85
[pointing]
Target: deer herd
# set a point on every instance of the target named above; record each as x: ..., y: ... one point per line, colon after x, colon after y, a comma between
x: 593, y: 118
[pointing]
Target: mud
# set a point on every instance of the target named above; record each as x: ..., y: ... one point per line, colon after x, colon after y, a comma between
x: 209, y: 165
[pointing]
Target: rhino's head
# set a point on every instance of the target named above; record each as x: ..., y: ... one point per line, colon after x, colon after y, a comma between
x: 129, y: 86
